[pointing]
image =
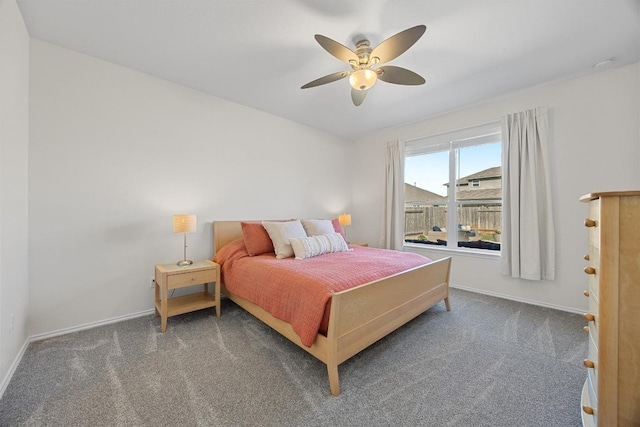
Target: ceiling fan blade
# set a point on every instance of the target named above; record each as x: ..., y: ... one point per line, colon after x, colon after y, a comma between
x: 398, y: 44
x: 357, y: 96
x: 336, y: 49
x: 326, y: 79
x: 399, y: 76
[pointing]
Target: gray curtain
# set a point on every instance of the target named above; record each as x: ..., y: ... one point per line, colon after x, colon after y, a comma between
x: 528, y: 248
x: 392, y: 228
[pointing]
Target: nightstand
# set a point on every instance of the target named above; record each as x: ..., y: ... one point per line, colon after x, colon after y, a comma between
x: 358, y: 244
x: 171, y: 276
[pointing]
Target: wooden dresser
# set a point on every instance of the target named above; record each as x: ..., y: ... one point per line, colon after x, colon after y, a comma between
x: 611, y: 393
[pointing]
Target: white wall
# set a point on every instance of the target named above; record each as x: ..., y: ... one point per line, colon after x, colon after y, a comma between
x: 14, y: 139
x: 595, y: 146
x: 115, y: 153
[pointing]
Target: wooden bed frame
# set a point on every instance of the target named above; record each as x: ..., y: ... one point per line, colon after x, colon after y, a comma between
x: 359, y: 316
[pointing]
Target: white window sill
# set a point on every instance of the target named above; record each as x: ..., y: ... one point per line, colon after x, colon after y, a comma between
x: 475, y: 253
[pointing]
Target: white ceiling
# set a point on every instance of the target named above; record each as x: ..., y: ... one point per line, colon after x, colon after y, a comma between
x: 259, y: 52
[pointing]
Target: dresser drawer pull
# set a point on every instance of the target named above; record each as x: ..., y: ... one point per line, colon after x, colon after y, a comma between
x: 589, y: 363
x: 586, y: 257
x: 590, y: 317
x: 588, y: 410
x: 590, y: 270
x: 586, y: 293
x: 589, y: 223
x: 586, y: 329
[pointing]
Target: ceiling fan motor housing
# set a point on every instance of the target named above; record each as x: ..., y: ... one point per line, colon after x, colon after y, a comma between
x: 363, y: 50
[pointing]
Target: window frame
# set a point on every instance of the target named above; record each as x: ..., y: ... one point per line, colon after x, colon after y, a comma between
x: 452, y: 142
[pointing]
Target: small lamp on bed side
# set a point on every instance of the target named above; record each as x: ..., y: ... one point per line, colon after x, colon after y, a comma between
x: 184, y: 224
x: 345, y: 220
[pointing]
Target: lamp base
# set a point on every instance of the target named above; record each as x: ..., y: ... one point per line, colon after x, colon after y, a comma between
x: 184, y: 262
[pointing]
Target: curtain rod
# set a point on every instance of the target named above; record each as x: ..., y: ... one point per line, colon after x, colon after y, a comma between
x: 453, y: 130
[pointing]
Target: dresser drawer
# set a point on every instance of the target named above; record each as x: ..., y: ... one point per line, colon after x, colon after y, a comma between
x: 594, y: 279
x: 592, y: 385
x: 592, y: 397
x: 592, y: 373
x: 593, y: 308
x: 594, y: 232
x: 588, y: 419
x: 191, y: 278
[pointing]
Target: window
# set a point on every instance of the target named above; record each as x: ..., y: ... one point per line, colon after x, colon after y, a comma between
x: 453, y: 189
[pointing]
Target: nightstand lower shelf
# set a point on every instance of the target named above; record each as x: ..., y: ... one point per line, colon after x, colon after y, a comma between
x: 188, y: 303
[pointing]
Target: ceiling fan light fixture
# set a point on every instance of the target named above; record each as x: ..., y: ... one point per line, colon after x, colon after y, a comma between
x: 362, y: 76
x: 363, y: 79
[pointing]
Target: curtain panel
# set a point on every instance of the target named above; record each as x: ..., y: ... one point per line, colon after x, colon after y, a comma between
x: 528, y: 246
x: 392, y: 227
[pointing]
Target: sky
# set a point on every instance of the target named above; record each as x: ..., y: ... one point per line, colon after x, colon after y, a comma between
x: 431, y: 171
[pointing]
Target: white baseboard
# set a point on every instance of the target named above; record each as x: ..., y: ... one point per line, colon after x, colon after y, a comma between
x: 38, y: 337
x: 91, y: 325
x: 5, y: 381
x: 518, y: 299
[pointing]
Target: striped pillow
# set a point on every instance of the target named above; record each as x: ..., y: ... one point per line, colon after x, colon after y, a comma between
x: 307, y: 247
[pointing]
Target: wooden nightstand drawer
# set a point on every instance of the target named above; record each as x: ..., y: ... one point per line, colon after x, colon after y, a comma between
x: 190, y: 278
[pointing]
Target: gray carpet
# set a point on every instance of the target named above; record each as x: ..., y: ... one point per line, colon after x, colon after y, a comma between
x: 488, y: 362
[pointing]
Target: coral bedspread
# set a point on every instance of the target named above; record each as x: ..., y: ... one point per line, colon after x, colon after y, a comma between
x: 298, y: 291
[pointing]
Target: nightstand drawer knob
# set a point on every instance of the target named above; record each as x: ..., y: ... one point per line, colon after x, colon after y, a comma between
x: 590, y: 270
x: 587, y: 257
x: 586, y: 293
x: 588, y: 410
x: 589, y: 223
x: 589, y: 363
x: 590, y: 317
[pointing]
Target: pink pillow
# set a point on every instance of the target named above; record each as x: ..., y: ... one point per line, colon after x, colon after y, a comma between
x: 338, y: 228
x: 256, y: 238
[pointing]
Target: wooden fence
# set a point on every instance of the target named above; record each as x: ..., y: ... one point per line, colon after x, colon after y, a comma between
x: 418, y: 220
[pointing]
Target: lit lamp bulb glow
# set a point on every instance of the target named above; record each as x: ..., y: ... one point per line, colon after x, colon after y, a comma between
x: 363, y: 79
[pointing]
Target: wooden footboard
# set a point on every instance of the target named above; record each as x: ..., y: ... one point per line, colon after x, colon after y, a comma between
x: 359, y: 316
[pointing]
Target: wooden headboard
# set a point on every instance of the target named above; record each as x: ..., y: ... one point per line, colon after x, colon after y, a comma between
x: 225, y: 232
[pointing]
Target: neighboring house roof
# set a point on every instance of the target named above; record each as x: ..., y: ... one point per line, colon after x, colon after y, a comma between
x: 464, y: 192
x: 480, y: 194
x: 491, y: 173
x: 413, y: 194
x: 417, y: 194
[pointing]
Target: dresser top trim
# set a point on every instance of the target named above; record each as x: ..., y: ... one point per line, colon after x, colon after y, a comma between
x: 593, y: 196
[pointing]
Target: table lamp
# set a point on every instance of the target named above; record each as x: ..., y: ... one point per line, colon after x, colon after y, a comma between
x: 184, y: 224
x: 344, y: 220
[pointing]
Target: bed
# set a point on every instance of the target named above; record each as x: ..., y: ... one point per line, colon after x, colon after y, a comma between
x: 357, y: 317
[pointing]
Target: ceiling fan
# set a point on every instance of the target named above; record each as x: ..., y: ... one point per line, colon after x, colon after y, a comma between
x: 363, y: 59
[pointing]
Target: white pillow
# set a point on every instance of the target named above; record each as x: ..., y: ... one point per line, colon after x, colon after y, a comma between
x: 281, y: 232
x: 307, y: 247
x: 317, y: 227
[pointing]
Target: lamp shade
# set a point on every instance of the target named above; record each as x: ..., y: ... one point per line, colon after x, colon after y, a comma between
x: 345, y: 219
x: 184, y: 223
x: 363, y: 79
